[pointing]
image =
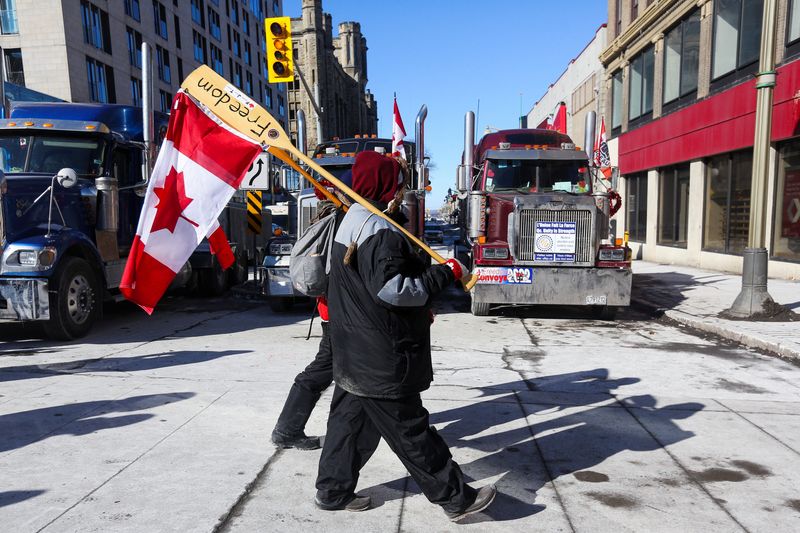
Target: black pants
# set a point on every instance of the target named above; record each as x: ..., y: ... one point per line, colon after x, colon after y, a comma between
x: 355, y: 427
x: 307, y: 388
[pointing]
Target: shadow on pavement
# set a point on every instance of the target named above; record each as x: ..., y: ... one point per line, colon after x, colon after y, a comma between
x: 571, y: 437
x: 11, y: 497
x: 114, y: 364
x: 27, y: 427
x: 668, y: 289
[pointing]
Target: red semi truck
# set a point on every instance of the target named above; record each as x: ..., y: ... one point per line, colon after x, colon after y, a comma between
x: 535, y: 224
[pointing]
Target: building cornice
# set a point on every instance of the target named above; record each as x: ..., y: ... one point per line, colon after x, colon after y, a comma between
x: 647, y: 22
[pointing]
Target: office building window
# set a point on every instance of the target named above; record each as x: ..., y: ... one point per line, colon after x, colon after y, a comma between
x: 636, y: 215
x: 793, y: 22
x: 199, y: 45
x: 160, y: 19
x: 134, y: 47
x: 640, y: 94
x: 237, y: 44
x: 634, y: 9
x: 216, y: 60
x: 136, y: 92
x: 177, y: 32
x: 165, y: 99
x: 198, y: 12
x: 786, y: 236
x: 237, y: 75
x: 162, y: 60
x: 727, y: 207
x: 248, y: 83
x: 268, y: 97
x: 101, y: 81
x: 281, y: 106
x: 681, y: 58
x: 616, y: 100
x: 132, y: 10
x: 246, y: 23
x: 673, y: 209
x: 180, y: 69
x: 8, y: 17
x: 15, y: 73
x: 247, y: 54
x: 213, y: 24
x: 233, y: 13
x: 737, y: 35
x: 95, y: 27
x: 255, y: 7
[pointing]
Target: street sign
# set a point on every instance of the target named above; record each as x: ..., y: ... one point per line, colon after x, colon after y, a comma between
x: 254, y: 212
x: 257, y: 176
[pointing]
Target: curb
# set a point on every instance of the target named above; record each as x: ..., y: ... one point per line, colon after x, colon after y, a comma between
x: 721, y: 328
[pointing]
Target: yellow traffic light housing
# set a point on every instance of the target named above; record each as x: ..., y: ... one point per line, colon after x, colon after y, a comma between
x: 280, y: 63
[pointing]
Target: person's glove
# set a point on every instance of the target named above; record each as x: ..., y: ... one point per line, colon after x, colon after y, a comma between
x: 457, y: 267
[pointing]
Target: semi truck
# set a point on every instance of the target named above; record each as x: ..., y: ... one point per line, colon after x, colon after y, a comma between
x: 295, y: 214
x: 534, y: 217
x: 71, y: 192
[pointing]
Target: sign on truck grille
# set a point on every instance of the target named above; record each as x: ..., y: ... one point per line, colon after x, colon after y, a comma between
x: 547, y: 236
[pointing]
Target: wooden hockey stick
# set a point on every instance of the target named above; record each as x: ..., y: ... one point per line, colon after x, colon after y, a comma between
x: 247, y: 117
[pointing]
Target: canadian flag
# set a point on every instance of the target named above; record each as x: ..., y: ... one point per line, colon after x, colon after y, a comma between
x: 602, y: 160
x: 200, y: 165
x: 398, y: 133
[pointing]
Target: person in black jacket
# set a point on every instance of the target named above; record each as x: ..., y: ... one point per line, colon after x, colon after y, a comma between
x: 379, y: 294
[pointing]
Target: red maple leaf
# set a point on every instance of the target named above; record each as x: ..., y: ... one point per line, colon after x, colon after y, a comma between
x: 172, y: 201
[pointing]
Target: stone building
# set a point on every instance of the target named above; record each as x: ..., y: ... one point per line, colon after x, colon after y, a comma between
x: 88, y: 50
x: 681, y: 98
x: 580, y: 87
x: 335, y: 69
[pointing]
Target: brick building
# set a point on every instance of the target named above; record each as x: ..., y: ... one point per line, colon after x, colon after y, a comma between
x: 681, y: 98
x: 335, y: 69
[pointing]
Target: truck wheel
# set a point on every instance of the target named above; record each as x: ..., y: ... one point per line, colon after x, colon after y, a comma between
x: 479, y: 308
x: 280, y: 305
x: 604, y: 312
x: 75, y: 303
x: 214, y: 280
x: 239, y: 271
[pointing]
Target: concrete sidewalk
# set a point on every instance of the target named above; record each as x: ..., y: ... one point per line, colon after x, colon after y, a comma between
x: 695, y: 298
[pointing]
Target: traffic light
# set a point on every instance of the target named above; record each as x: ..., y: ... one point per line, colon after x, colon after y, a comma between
x: 280, y: 63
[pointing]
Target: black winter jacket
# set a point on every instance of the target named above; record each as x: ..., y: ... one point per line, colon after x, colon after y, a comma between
x: 379, y: 321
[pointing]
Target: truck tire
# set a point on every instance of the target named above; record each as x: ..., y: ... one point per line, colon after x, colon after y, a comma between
x: 75, y: 302
x: 239, y: 271
x: 214, y: 280
x: 479, y: 308
x: 604, y: 312
x: 280, y: 305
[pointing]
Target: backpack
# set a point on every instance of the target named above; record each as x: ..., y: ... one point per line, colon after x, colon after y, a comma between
x: 310, y: 261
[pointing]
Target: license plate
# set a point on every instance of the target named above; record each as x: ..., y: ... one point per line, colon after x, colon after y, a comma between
x: 504, y: 275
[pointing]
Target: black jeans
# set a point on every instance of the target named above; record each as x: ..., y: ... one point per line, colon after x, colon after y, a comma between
x: 355, y: 427
x: 306, y: 390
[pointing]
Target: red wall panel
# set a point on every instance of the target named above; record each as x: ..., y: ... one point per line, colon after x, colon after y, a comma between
x: 720, y: 123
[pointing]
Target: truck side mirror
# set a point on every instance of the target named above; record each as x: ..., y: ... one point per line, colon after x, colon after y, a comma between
x: 67, y: 177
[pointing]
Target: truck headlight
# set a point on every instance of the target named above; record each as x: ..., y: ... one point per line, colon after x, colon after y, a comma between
x: 495, y: 253
x: 612, y: 254
x: 27, y: 257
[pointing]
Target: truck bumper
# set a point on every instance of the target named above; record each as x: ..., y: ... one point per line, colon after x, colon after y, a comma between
x: 556, y: 286
x: 23, y: 299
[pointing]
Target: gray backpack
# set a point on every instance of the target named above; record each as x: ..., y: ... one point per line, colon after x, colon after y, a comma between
x: 310, y: 262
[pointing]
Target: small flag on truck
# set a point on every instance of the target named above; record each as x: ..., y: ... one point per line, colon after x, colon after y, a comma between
x: 398, y: 133
x: 200, y: 165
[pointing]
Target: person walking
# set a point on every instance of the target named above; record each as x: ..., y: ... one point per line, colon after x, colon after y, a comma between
x: 379, y: 295
x: 308, y: 386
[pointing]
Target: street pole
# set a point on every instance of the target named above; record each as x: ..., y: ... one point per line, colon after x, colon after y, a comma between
x: 754, y: 299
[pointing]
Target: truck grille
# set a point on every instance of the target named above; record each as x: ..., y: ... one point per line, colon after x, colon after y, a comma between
x: 584, y: 250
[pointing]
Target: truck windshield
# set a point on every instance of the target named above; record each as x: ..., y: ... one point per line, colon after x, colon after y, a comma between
x: 47, y: 154
x: 536, y: 175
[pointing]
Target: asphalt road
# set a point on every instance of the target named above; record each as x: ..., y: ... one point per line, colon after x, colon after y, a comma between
x: 162, y: 424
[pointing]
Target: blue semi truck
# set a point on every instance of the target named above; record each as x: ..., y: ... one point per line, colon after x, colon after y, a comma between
x: 74, y: 177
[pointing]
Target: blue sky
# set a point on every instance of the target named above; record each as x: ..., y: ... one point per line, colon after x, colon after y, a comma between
x: 448, y: 54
